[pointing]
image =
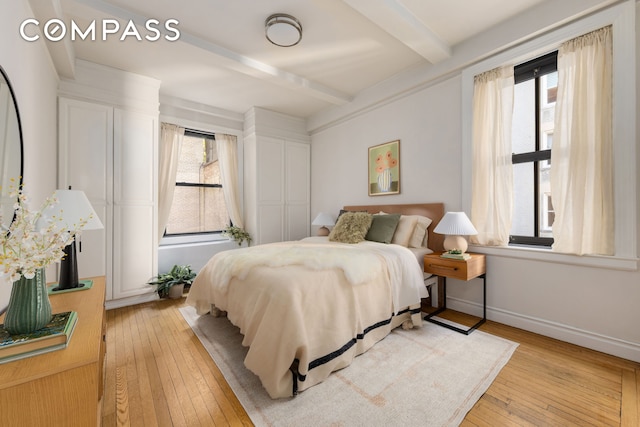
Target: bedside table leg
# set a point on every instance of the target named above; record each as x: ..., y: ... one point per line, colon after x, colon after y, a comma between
x: 429, y: 317
x: 442, y: 308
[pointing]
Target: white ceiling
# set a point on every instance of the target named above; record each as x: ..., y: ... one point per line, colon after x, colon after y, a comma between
x: 222, y: 58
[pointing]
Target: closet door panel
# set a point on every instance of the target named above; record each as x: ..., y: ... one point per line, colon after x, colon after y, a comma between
x: 135, y: 212
x: 297, y: 221
x: 85, y: 157
x: 85, y: 148
x: 270, y: 223
x: 297, y: 163
x: 270, y: 170
x: 133, y: 264
x: 133, y: 157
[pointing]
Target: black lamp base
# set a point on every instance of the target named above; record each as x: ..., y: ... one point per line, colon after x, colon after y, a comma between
x: 69, y: 270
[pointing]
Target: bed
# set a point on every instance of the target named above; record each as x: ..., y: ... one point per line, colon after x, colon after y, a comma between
x: 309, y: 307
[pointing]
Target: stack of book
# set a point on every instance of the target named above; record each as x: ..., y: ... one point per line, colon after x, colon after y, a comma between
x: 54, y: 336
x: 449, y: 255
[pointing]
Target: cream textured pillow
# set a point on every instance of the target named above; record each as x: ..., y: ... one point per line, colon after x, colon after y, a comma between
x: 351, y: 227
x: 419, y: 238
x: 404, y: 231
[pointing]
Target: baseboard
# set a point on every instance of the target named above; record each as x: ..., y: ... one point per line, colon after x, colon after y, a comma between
x: 124, y: 302
x: 614, y: 346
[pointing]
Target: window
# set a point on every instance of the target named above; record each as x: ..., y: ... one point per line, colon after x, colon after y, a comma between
x: 535, y: 91
x: 623, y: 122
x: 198, y: 203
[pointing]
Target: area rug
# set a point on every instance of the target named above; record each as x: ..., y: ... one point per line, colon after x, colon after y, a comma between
x: 429, y: 376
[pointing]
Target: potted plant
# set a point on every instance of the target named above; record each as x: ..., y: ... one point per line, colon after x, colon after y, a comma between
x: 171, y: 284
x: 238, y: 234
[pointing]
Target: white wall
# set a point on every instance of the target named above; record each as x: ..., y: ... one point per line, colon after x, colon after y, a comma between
x: 34, y: 82
x: 430, y: 149
x: 589, y: 306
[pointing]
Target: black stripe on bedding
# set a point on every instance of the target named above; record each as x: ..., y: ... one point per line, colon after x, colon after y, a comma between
x: 334, y: 354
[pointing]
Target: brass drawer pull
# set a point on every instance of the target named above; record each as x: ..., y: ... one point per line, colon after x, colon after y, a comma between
x: 444, y: 267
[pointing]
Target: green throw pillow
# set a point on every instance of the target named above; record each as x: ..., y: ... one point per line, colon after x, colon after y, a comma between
x: 382, y: 228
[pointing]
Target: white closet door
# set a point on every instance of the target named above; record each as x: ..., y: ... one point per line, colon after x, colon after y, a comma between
x: 134, y: 196
x: 271, y: 202
x: 297, y: 175
x: 86, y: 163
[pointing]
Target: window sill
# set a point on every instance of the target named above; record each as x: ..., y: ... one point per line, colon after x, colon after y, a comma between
x: 546, y: 255
x: 196, y: 238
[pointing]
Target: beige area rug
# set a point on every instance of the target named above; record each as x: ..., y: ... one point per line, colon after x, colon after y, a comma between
x: 422, y: 377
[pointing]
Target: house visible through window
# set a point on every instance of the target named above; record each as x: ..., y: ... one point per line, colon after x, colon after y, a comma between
x: 535, y: 92
x: 198, y: 202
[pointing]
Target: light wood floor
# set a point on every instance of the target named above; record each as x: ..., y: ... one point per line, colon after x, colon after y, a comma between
x: 158, y: 373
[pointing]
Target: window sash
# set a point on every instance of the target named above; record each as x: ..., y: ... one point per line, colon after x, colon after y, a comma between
x: 188, y: 184
x: 534, y: 69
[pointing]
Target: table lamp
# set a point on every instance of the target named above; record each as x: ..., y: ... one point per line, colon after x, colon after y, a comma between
x: 324, y: 220
x: 72, y: 207
x: 455, y: 225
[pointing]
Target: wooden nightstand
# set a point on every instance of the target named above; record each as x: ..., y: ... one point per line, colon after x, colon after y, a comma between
x: 474, y: 267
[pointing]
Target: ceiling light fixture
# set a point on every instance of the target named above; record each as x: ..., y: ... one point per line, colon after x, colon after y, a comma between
x: 283, y: 30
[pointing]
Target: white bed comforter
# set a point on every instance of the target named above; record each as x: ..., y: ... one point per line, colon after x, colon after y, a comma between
x: 307, y: 308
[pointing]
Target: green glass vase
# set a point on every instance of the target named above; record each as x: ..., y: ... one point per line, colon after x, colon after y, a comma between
x: 29, y: 307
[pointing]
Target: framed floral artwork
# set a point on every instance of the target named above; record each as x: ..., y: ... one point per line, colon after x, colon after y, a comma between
x: 384, y: 169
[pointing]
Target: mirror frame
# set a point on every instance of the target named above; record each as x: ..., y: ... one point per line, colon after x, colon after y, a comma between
x: 15, y: 106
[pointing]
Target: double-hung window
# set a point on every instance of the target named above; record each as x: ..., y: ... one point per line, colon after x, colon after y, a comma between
x: 535, y: 91
x: 198, y: 203
x: 501, y: 220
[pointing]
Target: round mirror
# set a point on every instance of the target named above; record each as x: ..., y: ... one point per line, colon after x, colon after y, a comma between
x: 10, y: 147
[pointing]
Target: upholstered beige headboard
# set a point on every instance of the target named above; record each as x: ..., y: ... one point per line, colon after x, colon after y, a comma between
x: 435, y: 211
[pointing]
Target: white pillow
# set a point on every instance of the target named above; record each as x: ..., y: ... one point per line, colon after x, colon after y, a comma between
x: 404, y: 231
x: 420, y: 237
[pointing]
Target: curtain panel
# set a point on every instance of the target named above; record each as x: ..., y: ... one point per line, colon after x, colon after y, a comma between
x: 582, y: 152
x: 227, y: 148
x: 492, y: 171
x: 170, y: 143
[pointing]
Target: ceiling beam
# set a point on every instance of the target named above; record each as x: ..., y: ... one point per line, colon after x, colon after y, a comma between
x: 62, y: 53
x: 236, y: 61
x: 396, y: 19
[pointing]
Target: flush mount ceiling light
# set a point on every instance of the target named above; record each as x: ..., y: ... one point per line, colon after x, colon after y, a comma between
x: 283, y: 30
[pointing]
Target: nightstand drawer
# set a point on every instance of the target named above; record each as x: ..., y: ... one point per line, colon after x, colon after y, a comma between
x: 455, y: 269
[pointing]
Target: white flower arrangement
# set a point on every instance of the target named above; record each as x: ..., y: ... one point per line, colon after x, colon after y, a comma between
x: 33, y: 240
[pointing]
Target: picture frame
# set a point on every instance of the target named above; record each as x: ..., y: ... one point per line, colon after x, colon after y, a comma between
x: 384, y: 169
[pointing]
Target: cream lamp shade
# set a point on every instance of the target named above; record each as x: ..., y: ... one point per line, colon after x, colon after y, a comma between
x: 72, y: 207
x: 455, y: 225
x: 324, y: 220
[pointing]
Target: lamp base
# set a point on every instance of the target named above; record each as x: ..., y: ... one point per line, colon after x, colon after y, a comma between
x: 84, y: 285
x: 452, y: 241
x: 323, y: 231
x: 69, y: 269
x: 60, y: 289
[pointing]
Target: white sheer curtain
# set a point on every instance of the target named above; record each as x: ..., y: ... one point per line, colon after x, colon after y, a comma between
x: 582, y: 151
x: 492, y: 171
x: 227, y: 148
x: 170, y: 143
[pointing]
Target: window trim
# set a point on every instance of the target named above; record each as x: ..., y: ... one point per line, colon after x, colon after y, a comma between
x: 622, y: 18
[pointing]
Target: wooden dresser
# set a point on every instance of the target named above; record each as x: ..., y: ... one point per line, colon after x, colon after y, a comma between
x: 64, y: 387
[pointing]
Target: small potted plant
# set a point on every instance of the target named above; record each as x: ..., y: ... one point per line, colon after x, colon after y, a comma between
x: 172, y: 284
x: 238, y: 234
